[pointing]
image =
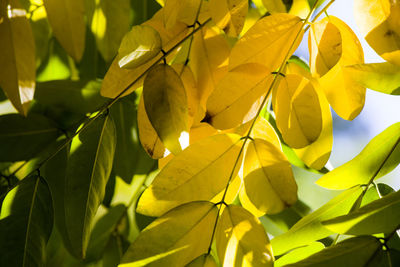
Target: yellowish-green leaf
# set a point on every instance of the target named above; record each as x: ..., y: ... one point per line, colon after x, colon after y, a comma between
x: 67, y: 20
x: 317, y: 154
x: 379, y: 157
x: 208, y: 61
x: 269, y: 185
x: 381, y: 77
x: 267, y: 42
x: 181, y: 11
x: 139, y: 46
x: 89, y: 167
x: 205, y: 260
x: 299, y: 254
x: 200, y: 172
x: 241, y: 239
x: 17, y: 56
x: 379, y: 216
x: 147, y: 135
x: 332, y: 46
x: 379, y: 22
x: 357, y: 251
x: 109, y: 21
x: 117, y: 79
x: 238, y: 96
x: 309, y: 228
x: 176, y: 238
x: 274, y: 6
x: 229, y: 15
x: 298, y: 111
x: 166, y: 105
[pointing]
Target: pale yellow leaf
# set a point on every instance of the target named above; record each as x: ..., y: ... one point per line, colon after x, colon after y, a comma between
x: 241, y: 239
x: 139, y: 45
x: 332, y: 46
x: 238, y: 95
x: 268, y: 41
x: 298, y: 111
x: 200, y: 172
x: 269, y: 185
x: 176, y: 238
x: 166, y: 105
x: 17, y: 56
x: 229, y: 15
x: 300, y: 8
x: 67, y: 20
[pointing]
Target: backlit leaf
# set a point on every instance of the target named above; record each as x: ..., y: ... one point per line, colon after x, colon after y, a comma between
x: 357, y: 251
x: 138, y: 46
x: 205, y: 260
x: 26, y: 222
x: 229, y: 15
x: 180, y: 11
x: 381, y: 77
x: 269, y: 185
x: 267, y: 42
x: 379, y: 216
x: 299, y: 254
x: 174, y: 239
x: 275, y: 6
x: 238, y: 96
x: 241, y: 239
x: 68, y: 24
x: 17, y: 56
x: 309, y: 228
x: 166, y: 105
x: 332, y: 46
x: 22, y: 138
x: 379, y: 157
x: 203, y: 168
x: 298, y: 111
x: 89, y: 167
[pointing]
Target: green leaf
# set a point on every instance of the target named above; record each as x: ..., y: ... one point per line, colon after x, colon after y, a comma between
x: 204, y: 169
x: 299, y: 254
x: 176, y: 238
x: 241, y: 240
x: 379, y: 216
x: 309, y: 228
x: 205, y: 260
x: 89, y: 167
x: 103, y: 230
x: 379, y: 157
x: 355, y: 252
x: 22, y: 138
x: 381, y: 77
x: 139, y: 46
x: 166, y: 105
x: 26, y: 221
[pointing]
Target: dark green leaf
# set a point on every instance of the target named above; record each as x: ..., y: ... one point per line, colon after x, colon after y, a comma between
x: 26, y: 221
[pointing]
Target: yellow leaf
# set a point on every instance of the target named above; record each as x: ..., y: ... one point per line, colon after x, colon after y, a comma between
x: 200, y: 172
x: 300, y: 8
x: 67, y: 20
x: 298, y: 111
x: 208, y: 61
x: 274, y: 6
x: 238, y: 96
x: 147, y: 135
x: 332, y: 46
x: 180, y: 11
x: 379, y: 22
x: 267, y: 42
x: 205, y: 260
x: 138, y: 46
x: 229, y: 15
x: 269, y: 185
x: 166, y: 105
x: 241, y: 239
x: 109, y: 21
x: 17, y: 56
x: 117, y: 79
x: 174, y: 239
x: 317, y: 154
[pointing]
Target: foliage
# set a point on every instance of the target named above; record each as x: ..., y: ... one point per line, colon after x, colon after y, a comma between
x: 164, y: 133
